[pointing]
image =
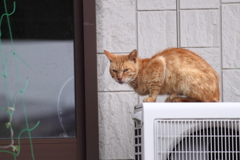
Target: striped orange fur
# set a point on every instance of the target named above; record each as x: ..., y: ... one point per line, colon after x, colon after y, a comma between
x: 177, y: 72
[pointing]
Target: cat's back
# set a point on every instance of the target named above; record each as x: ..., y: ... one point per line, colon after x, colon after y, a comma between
x: 178, y: 54
x: 179, y: 58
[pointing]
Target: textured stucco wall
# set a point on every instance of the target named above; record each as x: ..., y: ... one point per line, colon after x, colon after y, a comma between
x: 210, y: 28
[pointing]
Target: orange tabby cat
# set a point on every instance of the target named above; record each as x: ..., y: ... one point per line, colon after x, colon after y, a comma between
x: 180, y: 73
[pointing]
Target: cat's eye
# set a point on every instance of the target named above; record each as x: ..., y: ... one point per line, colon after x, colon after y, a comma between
x: 114, y: 71
x: 125, y: 70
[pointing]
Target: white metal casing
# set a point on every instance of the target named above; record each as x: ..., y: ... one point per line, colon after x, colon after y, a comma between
x: 146, y: 114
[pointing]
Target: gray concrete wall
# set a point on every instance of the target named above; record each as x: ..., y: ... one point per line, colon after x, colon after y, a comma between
x: 210, y: 28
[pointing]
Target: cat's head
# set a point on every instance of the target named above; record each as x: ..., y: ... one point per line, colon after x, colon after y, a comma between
x: 123, y: 68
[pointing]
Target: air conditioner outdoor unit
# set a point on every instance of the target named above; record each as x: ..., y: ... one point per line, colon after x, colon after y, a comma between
x: 187, y: 131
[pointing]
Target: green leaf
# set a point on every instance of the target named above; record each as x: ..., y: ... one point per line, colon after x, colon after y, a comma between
x: 8, y: 124
x: 15, y: 148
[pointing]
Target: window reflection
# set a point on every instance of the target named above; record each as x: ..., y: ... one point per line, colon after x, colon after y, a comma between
x: 43, y: 37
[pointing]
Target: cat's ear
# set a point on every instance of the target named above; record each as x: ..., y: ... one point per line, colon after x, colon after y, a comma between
x: 133, y: 56
x: 109, y: 55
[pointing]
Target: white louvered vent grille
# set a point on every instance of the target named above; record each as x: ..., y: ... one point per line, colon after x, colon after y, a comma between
x: 197, y: 139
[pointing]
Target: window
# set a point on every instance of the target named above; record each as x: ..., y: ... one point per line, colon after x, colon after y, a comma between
x: 52, y: 26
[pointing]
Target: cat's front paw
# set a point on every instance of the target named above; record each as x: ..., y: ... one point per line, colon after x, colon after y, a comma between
x: 149, y: 99
x: 172, y: 98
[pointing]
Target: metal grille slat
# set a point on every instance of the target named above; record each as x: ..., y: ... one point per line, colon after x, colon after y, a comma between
x: 197, y: 139
x: 138, y: 142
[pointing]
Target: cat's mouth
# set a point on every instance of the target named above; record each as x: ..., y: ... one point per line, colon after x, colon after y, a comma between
x: 120, y: 82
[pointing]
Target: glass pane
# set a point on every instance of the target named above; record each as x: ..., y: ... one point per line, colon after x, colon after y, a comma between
x: 37, y: 69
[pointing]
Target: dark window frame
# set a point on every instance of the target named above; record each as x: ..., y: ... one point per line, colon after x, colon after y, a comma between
x: 86, y: 145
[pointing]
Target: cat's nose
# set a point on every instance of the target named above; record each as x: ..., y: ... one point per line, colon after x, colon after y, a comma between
x: 120, y: 81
